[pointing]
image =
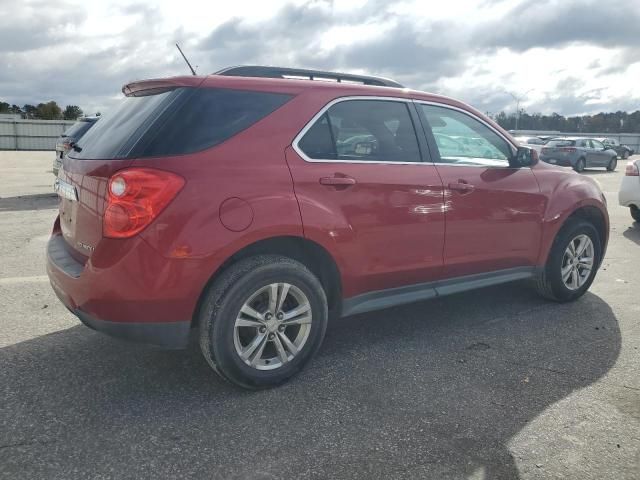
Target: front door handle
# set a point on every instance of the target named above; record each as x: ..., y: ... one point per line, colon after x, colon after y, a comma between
x: 461, y: 186
x: 338, y: 181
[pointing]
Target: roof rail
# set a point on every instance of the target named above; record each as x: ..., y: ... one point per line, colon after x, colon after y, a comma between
x: 304, y: 74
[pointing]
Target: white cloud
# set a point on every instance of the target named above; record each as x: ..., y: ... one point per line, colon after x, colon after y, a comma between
x: 82, y: 52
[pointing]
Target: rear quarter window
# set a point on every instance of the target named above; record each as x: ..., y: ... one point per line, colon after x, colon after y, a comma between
x: 207, y: 118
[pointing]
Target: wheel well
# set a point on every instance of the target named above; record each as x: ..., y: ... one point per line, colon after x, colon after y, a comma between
x: 305, y: 251
x: 596, y: 218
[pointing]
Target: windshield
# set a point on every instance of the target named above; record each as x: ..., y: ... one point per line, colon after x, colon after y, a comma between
x: 77, y: 130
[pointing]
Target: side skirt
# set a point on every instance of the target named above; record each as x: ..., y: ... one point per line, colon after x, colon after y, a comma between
x: 423, y: 291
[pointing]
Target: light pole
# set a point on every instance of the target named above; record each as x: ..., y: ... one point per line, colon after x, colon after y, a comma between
x: 518, y: 99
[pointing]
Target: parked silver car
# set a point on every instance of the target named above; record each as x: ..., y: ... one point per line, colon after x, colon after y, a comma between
x: 532, y: 142
x: 69, y: 137
x: 579, y: 153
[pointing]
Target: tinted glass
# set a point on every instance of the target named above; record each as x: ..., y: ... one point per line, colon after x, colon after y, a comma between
x: 560, y: 143
x: 208, y: 117
x: 77, y: 130
x: 461, y: 139
x: 173, y: 122
x: 117, y: 132
x: 318, y: 142
x: 597, y: 145
x: 363, y: 130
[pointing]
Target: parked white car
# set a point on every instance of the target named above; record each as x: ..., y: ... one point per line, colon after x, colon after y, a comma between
x: 629, y: 195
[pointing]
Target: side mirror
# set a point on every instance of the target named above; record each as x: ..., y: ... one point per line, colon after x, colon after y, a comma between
x: 524, y: 157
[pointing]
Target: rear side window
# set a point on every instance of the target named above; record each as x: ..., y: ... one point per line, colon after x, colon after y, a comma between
x: 561, y: 143
x: 175, y: 122
x: 363, y: 130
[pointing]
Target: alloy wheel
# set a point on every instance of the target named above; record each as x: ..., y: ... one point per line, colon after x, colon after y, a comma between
x: 272, y: 326
x: 577, y: 262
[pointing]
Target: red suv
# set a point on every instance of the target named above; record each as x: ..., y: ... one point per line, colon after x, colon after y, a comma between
x: 253, y: 204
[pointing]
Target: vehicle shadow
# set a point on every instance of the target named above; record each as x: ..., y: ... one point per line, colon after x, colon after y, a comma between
x: 596, y: 171
x: 431, y: 390
x: 633, y: 233
x: 37, y: 201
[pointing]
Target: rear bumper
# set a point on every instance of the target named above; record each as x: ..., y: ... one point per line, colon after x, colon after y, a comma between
x: 174, y: 335
x: 629, y: 193
x: 562, y: 162
x: 139, y: 296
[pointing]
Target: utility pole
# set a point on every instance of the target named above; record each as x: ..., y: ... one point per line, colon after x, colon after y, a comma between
x: 518, y: 99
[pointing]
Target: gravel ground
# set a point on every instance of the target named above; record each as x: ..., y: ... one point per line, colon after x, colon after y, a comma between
x: 495, y: 383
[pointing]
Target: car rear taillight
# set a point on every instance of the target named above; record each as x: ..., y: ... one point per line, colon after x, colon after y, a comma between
x: 632, y: 170
x: 568, y: 149
x: 135, y: 197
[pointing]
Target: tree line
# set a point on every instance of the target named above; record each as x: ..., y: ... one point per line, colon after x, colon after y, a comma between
x: 43, y: 111
x: 618, y: 122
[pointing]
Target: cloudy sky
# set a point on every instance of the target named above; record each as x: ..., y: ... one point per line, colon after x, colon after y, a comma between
x: 565, y: 56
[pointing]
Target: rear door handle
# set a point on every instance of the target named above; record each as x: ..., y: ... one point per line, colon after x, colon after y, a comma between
x: 461, y: 186
x: 338, y: 181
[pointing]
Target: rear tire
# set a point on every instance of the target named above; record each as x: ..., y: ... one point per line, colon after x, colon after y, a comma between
x: 612, y: 164
x: 635, y: 213
x: 625, y: 154
x: 552, y: 282
x: 580, y: 165
x: 250, y: 331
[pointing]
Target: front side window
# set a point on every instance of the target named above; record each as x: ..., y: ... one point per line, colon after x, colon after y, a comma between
x: 461, y: 139
x: 363, y: 130
x: 597, y: 145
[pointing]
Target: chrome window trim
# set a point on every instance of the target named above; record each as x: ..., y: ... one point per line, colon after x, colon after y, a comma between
x: 472, y: 115
x: 514, y: 148
x: 335, y: 101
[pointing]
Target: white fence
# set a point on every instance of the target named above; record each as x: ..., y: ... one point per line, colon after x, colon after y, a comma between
x: 31, y: 134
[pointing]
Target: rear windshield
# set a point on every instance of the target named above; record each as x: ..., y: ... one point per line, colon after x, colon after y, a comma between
x: 77, y: 130
x: 175, y: 122
x: 560, y: 143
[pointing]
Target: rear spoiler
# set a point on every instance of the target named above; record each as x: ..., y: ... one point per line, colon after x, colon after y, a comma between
x: 142, y: 88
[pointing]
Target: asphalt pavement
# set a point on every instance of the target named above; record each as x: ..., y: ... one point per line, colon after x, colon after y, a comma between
x: 495, y: 383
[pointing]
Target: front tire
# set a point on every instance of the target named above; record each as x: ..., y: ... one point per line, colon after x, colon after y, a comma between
x: 572, y: 264
x: 580, y: 165
x: 262, y: 321
x: 635, y: 213
x: 612, y: 165
x: 625, y: 154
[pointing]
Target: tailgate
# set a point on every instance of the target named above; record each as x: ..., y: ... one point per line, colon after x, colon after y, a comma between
x: 82, y: 186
